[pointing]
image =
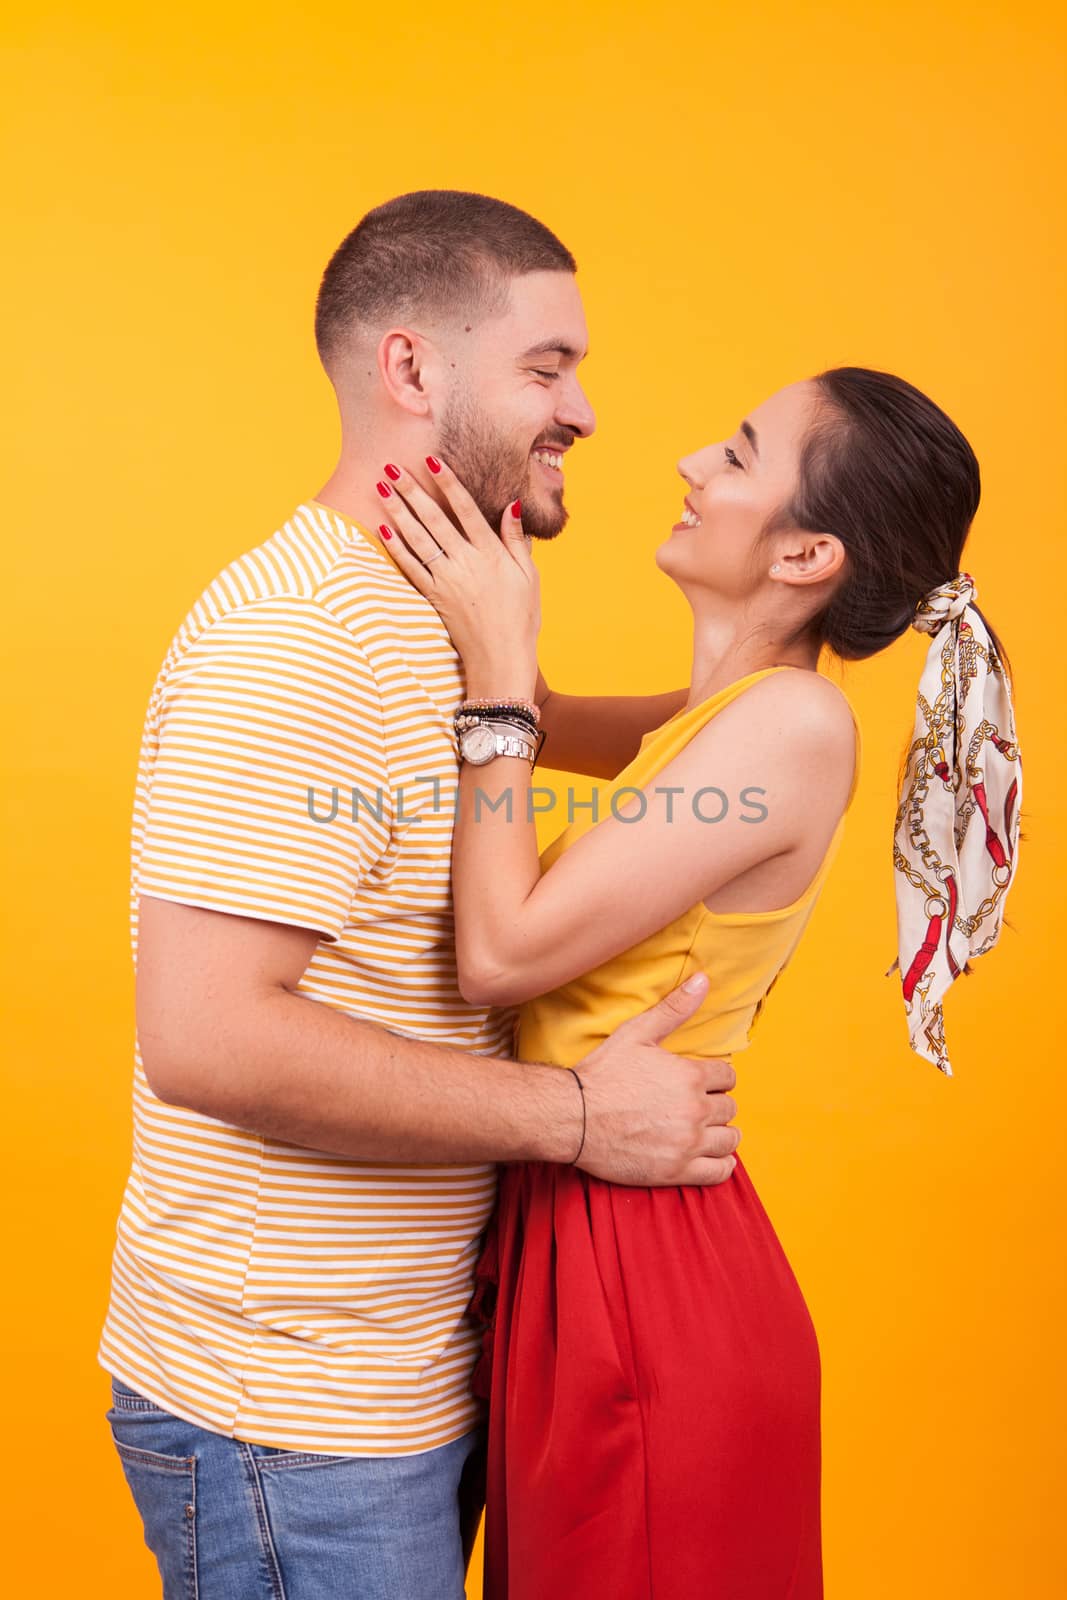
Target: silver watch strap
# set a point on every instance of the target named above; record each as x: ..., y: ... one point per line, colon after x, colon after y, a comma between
x: 513, y: 745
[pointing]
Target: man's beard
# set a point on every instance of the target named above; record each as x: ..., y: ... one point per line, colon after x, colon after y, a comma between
x: 494, y: 471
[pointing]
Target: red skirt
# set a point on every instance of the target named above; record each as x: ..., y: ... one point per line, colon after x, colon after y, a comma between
x: 653, y: 1378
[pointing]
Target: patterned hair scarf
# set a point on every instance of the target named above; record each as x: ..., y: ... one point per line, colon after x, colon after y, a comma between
x: 956, y: 841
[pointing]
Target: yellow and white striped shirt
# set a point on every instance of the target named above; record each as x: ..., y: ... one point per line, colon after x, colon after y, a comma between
x: 271, y: 1293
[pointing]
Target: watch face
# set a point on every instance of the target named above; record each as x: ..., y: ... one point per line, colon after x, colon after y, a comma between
x: 478, y: 745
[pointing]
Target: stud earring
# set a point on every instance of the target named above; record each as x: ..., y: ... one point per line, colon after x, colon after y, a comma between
x: 777, y: 567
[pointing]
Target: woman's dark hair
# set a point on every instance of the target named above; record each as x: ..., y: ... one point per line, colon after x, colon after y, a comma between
x: 885, y: 470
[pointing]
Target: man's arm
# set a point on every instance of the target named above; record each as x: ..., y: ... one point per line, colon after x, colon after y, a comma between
x: 239, y: 883
x: 598, y: 735
x: 223, y: 1031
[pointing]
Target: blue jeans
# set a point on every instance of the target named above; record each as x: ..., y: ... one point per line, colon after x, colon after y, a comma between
x: 228, y: 1520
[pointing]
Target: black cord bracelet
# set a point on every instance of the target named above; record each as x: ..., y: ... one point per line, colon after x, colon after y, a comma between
x: 581, y: 1086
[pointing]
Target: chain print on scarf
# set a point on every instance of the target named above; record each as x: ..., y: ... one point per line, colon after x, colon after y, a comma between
x: 955, y: 844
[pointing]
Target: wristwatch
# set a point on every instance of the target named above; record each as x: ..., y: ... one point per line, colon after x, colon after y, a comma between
x: 480, y: 744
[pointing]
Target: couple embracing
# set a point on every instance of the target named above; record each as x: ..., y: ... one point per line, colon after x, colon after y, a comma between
x: 436, y: 1197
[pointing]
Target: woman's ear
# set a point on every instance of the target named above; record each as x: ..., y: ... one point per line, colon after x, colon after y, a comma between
x: 809, y: 557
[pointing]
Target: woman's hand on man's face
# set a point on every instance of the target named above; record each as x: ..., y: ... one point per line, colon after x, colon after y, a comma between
x: 483, y: 585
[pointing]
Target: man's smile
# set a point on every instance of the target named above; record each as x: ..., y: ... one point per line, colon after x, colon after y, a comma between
x: 550, y: 461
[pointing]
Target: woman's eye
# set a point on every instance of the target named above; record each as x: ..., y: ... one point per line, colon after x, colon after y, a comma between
x: 731, y: 459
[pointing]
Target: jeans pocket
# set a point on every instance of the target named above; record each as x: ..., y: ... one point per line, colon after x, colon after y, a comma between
x: 163, y: 1488
x: 164, y: 1491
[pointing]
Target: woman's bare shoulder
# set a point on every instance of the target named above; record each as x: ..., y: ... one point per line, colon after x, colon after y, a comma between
x: 811, y: 696
x: 802, y: 700
x: 798, y: 726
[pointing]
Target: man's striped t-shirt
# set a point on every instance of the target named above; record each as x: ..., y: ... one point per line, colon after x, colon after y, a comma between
x: 298, y: 764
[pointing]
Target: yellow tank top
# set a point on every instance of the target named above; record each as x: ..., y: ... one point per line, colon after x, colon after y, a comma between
x: 743, y: 952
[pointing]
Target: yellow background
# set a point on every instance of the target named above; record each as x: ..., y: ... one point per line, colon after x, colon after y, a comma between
x: 753, y: 192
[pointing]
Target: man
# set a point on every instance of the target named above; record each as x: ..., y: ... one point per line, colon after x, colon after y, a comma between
x: 317, y: 1110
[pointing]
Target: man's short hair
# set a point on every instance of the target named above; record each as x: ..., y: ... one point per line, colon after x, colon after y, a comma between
x: 437, y: 253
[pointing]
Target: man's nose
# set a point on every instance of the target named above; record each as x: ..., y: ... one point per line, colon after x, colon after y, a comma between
x: 575, y: 412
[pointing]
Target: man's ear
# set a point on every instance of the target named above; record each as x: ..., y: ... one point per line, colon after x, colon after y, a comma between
x: 406, y: 369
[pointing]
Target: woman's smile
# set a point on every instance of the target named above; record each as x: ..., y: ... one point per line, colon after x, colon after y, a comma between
x: 690, y: 519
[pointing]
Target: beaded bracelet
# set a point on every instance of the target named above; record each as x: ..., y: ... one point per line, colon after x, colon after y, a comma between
x: 516, y: 718
x: 505, y: 725
x: 501, y: 705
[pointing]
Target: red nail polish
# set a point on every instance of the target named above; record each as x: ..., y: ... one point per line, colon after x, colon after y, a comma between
x: 384, y: 490
x: 433, y: 463
x: 391, y: 471
x: 516, y: 510
x: 386, y: 533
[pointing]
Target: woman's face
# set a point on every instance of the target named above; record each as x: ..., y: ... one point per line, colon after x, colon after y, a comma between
x: 735, y: 486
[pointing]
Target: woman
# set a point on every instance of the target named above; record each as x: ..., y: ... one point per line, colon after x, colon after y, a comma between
x: 652, y: 1367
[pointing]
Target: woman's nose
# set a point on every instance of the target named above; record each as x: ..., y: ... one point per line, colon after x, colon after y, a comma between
x: 698, y: 467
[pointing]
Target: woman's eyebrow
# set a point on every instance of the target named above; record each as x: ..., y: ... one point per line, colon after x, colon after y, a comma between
x: 750, y: 434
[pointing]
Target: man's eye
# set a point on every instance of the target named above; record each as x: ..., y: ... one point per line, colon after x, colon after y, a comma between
x: 541, y: 374
x: 731, y: 459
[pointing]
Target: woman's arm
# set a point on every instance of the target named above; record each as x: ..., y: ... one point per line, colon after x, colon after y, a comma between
x: 753, y: 785
x: 598, y: 735
x: 773, y: 767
